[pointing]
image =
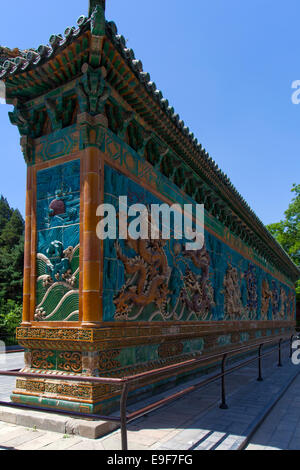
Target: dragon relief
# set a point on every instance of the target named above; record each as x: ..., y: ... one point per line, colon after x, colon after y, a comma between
x: 149, y: 282
x: 148, y: 277
x: 275, y: 300
x: 252, y: 302
x: 290, y: 305
x: 266, y: 297
x: 198, y: 293
x: 283, y: 299
x: 233, y: 297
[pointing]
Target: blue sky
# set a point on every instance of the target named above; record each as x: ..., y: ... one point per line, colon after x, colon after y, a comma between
x: 225, y: 65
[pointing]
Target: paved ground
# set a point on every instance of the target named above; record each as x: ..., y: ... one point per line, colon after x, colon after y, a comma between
x: 9, y: 362
x: 194, y: 422
x: 281, y: 429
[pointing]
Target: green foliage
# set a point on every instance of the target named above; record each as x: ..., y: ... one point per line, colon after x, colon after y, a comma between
x: 12, y: 230
x: 5, y: 212
x: 11, y: 252
x: 10, y: 319
x: 298, y: 291
x: 287, y: 231
x: 11, y: 270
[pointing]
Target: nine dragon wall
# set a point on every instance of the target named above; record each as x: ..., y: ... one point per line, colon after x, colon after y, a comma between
x: 222, y: 295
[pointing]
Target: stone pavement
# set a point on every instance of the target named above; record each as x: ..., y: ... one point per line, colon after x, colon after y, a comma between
x: 9, y: 362
x: 194, y: 422
x: 281, y: 429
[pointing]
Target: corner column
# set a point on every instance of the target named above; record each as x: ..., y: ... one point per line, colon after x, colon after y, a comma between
x: 27, y: 251
x: 91, y: 246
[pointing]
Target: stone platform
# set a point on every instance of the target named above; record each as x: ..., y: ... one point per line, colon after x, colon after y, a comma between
x: 191, y: 423
x: 66, y: 425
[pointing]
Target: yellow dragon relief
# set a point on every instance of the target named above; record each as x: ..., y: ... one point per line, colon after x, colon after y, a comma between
x: 148, y: 280
x: 149, y: 275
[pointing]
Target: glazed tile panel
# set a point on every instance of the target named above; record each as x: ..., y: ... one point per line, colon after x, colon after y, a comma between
x: 213, y: 284
x: 58, y: 212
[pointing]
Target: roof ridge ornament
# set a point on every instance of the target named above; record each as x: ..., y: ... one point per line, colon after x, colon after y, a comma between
x: 94, y: 3
x: 97, y: 16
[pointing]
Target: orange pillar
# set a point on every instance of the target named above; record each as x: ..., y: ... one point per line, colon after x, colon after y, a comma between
x: 27, y: 250
x: 91, y: 246
x: 33, y: 249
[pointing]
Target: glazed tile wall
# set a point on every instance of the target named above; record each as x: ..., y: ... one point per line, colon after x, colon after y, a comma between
x: 58, y: 211
x: 216, y: 283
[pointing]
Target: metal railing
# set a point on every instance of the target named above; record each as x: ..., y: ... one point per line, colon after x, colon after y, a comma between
x: 12, y: 351
x: 135, y: 382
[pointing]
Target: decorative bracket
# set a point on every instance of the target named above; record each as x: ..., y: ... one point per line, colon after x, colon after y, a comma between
x: 30, y: 124
x: 60, y: 111
x: 92, y: 133
x: 119, y: 119
x: 92, y: 90
x: 162, y: 151
x: 19, y: 117
x: 27, y: 148
x: 144, y: 139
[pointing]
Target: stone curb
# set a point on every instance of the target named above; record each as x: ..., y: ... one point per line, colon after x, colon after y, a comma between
x: 55, y: 423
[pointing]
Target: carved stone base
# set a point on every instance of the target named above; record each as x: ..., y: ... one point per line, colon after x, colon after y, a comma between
x: 55, y: 403
x: 119, y: 352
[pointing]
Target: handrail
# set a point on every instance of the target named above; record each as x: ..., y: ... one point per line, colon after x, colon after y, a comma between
x: 152, y: 373
x: 137, y: 377
x: 12, y: 351
x: 135, y: 381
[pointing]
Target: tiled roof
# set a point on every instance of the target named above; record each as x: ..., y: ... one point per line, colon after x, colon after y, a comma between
x: 7, y: 54
x: 34, y: 58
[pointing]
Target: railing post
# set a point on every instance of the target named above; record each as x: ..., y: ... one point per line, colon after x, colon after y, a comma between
x: 291, y: 346
x: 223, y: 405
x: 260, y: 379
x: 123, y: 415
x: 279, y: 353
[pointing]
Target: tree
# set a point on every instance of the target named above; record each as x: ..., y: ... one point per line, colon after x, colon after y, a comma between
x: 5, y: 212
x: 10, y: 319
x: 12, y: 230
x: 11, y: 270
x: 11, y: 252
x: 287, y: 231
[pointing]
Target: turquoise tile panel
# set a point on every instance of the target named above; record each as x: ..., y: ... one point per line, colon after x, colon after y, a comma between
x: 58, y: 213
x: 192, y: 293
